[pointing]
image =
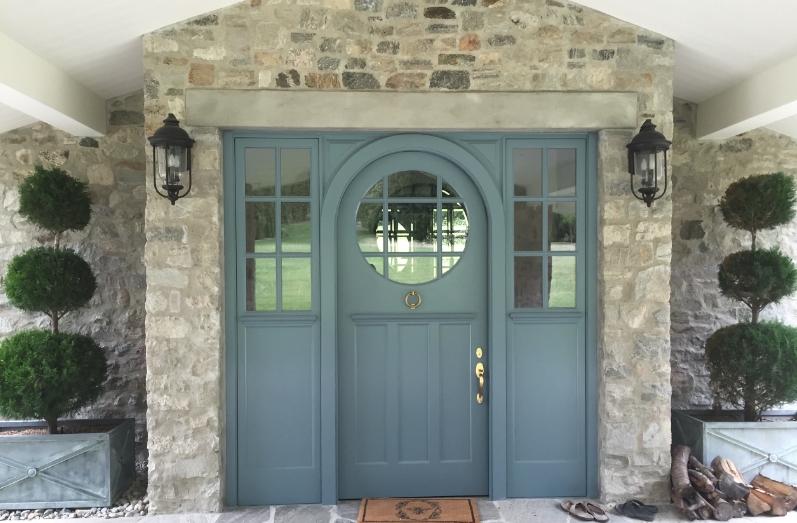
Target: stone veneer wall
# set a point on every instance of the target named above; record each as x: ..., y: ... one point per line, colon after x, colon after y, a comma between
x: 701, y: 239
x: 113, y: 243
x: 487, y: 45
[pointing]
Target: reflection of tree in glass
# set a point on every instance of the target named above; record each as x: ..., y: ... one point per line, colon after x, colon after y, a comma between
x: 563, y: 228
x: 412, y: 184
x: 417, y: 221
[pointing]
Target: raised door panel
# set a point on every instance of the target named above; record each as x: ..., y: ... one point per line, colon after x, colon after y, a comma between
x: 547, y: 417
x: 278, y: 437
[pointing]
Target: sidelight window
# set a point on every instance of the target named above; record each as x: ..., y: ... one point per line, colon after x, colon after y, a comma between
x: 278, y: 229
x: 545, y: 201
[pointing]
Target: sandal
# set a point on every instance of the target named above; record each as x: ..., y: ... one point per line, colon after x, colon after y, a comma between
x: 577, y: 510
x: 597, y: 512
x: 650, y: 508
x: 637, y: 510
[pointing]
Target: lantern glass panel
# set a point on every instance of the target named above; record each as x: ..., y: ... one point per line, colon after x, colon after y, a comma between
x: 160, y: 163
x: 645, y: 167
x: 177, y: 164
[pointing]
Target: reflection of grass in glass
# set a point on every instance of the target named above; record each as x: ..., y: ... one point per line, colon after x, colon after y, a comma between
x: 412, y: 269
x: 296, y: 280
x: 295, y: 238
x: 563, y: 282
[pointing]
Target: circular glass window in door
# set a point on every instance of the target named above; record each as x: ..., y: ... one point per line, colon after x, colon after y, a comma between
x: 412, y: 227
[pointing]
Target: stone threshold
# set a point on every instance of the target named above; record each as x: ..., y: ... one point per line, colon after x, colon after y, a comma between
x: 509, y: 511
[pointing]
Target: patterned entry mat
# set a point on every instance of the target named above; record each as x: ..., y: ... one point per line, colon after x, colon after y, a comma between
x: 423, y: 510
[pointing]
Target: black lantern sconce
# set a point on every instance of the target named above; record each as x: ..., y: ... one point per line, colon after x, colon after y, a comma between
x: 171, y: 159
x: 647, y: 163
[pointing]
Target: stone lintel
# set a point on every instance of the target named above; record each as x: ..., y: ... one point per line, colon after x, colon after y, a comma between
x: 402, y: 111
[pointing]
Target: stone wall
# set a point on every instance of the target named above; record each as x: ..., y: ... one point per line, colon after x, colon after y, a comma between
x: 487, y: 45
x: 702, y: 171
x: 113, y: 244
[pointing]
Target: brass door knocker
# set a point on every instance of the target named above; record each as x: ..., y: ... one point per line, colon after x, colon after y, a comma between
x: 415, y: 304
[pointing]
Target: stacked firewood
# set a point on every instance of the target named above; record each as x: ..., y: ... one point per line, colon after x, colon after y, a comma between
x: 720, y: 492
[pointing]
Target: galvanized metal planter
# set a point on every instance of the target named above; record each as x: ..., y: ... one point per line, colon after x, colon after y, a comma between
x: 764, y: 447
x: 66, y: 470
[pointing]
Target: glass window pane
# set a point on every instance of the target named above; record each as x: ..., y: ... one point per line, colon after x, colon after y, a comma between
x: 377, y: 264
x: 296, y: 284
x: 295, y: 172
x: 448, y: 263
x: 261, y: 173
x: 528, y: 226
x: 377, y: 191
x: 412, y: 184
x: 528, y: 172
x: 296, y: 231
x: 448, y: 191
x: 369, y: 227
x: 261, y: 227
x: 562, y: 226
x: 412, y: 269
x: 412, y: 227
x: 528, y: 282
x: 455, y: 227
x: 562, y: 284
x: 261, y: 284
x: 561, y: 172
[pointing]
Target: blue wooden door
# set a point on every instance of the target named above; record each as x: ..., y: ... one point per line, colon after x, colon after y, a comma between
x: 411, y: 232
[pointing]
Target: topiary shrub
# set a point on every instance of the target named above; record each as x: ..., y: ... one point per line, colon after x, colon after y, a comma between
x: 55, y: 201
x: 46, y: 374
x: 752, y: 365
x: 51, y: 281
x: 758, y: 203
x: 757, y: 278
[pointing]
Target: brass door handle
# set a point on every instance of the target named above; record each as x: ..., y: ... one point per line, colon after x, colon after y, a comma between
x: 480, y: 375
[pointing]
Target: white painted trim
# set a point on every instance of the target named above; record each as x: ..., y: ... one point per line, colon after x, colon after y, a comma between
x: 32, y: 85
x: 759, y: 101
x: 416, y: 111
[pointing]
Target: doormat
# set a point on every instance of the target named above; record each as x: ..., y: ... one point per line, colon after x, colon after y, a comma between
x: 431, y: 510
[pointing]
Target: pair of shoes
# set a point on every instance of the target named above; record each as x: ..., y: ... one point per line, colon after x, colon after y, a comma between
x: 586, y: 511
x: 637, y: 510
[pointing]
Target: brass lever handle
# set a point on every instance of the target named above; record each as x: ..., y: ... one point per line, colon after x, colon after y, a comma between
x: 480, y: 375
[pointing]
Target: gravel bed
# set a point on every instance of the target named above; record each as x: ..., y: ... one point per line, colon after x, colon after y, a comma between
x: 133, y: 503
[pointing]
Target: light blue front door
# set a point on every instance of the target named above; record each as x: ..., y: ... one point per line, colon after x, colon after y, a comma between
x: 411, y: 232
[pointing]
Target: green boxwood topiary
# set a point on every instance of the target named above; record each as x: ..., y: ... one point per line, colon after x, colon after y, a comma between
x: 752, y: 366
x: 758, y: 203
x: 49, y: 280
x: 757, y: 278
x: 55, y: 201
x: 46, y: 375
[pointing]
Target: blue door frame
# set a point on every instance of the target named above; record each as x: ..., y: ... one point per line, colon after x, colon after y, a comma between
x: 341, y: 162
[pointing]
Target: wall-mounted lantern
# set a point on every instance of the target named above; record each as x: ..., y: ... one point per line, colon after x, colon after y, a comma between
x: 171, y: 159
x: 647, y: 163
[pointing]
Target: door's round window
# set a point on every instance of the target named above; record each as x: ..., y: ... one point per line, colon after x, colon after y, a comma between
x: 412, y: 227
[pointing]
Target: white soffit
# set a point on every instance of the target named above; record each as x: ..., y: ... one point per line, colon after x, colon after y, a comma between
x: 95, y: 42
x: 719, y: 43
x: 11, y: 119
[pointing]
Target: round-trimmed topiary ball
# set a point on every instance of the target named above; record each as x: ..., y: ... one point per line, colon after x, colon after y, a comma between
x: 54, y: 200
x: 757, y: 278
x: 753, y: 365
x: 759, y: 202
x: 46, y: 279
x: 44, y: 375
